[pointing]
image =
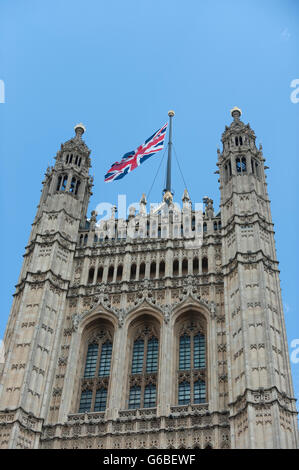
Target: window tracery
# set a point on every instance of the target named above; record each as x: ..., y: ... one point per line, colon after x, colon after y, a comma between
x: 191, y: 369
x: 144, y: 368
x: 95, y: 379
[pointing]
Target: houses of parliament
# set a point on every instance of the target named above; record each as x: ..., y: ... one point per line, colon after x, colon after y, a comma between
x: 164, y: 330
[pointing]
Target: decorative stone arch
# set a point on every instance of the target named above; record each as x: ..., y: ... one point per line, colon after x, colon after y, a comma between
x: 97, y: 326
x: 97, y: 313
x: 190, y: 315
x: 145, y: 307
x: 191, y: 303
x: 144, y: 323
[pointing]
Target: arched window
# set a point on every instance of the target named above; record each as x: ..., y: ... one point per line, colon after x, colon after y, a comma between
x: 79, y: 162
x: 67, y: 158
x: 215, y: 226
x: 58, y: 183
x: 77, y: 186
x: 205, y: 227
x: 238, y: 165
x: 64, y: 182
x: 90, y: 276
x: 110, y: 273
x: 100, y: 274
x: 95, y: 377
x: 73, y: 185
x: 241, y: 165
x: 153, y: 270
x: 71, y: 158
x: 236, y: 140
x: 119, y: 273
x: 191, y: 370
x: 133, y: 271
x: 195, y: 266
x: 205, y: 265
x: 257, y: 169
x: 85, y: 239
x: 142, y: 271
x: 185, y: 267
x: 162, y: 269
x: 144, y: 368
x: 175, y: 268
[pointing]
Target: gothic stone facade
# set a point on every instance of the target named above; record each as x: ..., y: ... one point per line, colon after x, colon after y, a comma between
x: 142, y: 342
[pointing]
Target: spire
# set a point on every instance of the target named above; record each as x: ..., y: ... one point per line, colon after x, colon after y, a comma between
x: 185, y: 196
x: 167, y: 191
x: 142, y: 205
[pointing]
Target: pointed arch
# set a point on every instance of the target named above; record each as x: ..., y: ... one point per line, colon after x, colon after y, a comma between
x: 190, y: 330
x: 144, y: 346
x: 93, y: 381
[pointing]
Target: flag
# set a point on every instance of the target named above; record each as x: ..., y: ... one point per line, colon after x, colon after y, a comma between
x: 132, y: 160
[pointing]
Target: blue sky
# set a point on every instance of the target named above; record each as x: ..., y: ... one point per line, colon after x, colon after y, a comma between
x: 118, y: 67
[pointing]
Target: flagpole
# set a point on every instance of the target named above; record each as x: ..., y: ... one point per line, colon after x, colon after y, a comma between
x: 167, y: 191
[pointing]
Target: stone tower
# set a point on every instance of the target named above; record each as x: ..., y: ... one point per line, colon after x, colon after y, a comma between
x: 33, y: 331
x: 261, y: 403
x: 164, y: 329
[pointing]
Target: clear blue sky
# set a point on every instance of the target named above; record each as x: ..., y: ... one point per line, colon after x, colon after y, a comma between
x: 119, y: 66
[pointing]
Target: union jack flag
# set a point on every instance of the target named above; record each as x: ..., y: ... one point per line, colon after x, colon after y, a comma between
x: 132, y: 160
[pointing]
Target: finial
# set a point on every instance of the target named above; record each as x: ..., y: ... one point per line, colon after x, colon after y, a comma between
x: 142, y: 204
x: 143, y: 199
x: 186, y: 196
x: 168, y: 197
x: 79, y: 129
x: 171, y: 113
x: 236, y: 112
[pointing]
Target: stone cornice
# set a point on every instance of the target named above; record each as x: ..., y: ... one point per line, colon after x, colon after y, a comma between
x: 55, y: 212
x: 50, y: 239
x: 261, y: 397
x: 134, y: 286
x: 25, y: 419
x: 38, y: 280
x: 111, y: 248
x: 247, y: 219
x: 117, y: 427
x: 222, y: 204
x: 250, y: 258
